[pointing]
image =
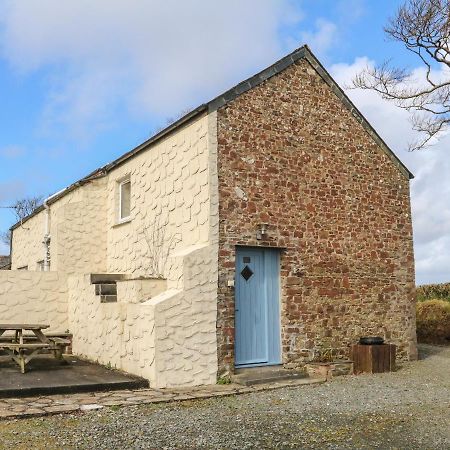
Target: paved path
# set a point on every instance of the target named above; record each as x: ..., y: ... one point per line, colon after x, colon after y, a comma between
x: 14, y: 408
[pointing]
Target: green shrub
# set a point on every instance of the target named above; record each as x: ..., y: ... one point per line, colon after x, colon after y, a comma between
x: 225, y: 379
x: 433, y: 321
x: 433, y: 291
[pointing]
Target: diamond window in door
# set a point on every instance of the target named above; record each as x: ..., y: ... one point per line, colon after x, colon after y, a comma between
x: 246, y: 273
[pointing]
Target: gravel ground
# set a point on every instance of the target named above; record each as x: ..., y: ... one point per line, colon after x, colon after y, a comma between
x: 408, y: 409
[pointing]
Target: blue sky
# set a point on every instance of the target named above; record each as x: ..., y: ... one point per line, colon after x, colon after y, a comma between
x: 82, y: 82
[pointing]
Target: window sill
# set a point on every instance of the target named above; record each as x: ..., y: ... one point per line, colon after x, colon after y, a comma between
x: 122, y: 222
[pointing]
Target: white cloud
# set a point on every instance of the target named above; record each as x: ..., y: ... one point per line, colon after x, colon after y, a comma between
x: 430, y: 189
x: 323, y: 38
x: 149, y: 57
x: 153, y: 59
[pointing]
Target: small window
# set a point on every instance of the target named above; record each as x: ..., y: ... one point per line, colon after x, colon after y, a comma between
x: 40, y: 266
x: 124, y: 200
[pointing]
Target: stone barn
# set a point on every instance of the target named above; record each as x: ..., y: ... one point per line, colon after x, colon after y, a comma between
x: 266, y: 227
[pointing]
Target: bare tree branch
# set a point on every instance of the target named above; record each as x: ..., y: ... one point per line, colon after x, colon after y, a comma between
x: 22, y: 208
x: 25, y: 206
x: 5, y: 237
x: 159, y: 246
x: 423, y: 27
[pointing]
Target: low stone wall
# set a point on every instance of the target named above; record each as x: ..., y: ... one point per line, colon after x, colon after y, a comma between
x: 119, y: 335
x: 169, y: 339
x: 34, y: 297
x: 185, y: 323
x: 139, y: 290
x: 165, y: 333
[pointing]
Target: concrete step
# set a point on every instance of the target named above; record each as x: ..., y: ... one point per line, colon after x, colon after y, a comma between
x: 108, y: 298
x: 270, y: 374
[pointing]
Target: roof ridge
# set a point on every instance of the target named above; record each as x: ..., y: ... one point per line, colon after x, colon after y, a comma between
x: 303, y: 52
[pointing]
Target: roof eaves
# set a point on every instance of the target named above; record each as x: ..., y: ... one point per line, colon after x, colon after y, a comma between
x: 305, y: 53
x: 163, y: 133
x: 257, y: 79
x: 309, y: 56
x: 102, y: 171
x: 301, y: 53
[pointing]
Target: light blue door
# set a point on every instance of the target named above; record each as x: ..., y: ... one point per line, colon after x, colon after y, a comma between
x: 257, y: 307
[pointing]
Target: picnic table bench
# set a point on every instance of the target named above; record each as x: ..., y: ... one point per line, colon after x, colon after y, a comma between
x: 20, y: 347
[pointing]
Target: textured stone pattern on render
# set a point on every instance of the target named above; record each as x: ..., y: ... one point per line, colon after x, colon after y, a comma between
x: 34, y: 297
x: 185, y: 324
x: 163, y: 330
x: 119, y: 335
x: 80, y: 240
x: 169, y: 198
x: 28, y: 247
x: 78, y: 233
x: 139, y: 290
x: 169, y: 339
x: 292, y: 156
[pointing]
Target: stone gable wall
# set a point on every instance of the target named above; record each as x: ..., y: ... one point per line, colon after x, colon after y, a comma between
x: 291, y: 155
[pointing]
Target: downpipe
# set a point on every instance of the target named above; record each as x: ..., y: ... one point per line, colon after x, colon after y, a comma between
x: 47, y: 235
x: 47, y: 238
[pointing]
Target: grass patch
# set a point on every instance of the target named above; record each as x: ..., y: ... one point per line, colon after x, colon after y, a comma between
x: 20, y: 434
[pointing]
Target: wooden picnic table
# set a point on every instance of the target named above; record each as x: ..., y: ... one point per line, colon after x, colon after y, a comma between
x: 21, y: 350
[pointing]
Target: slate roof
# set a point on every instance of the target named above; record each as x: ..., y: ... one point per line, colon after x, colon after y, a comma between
x: 221, y: 100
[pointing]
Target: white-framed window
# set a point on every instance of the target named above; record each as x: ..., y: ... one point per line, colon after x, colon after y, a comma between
x: 124, y: 199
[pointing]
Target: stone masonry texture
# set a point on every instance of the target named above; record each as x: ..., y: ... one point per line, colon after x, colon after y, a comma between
x: 291, y: 155
x: 162, y: 329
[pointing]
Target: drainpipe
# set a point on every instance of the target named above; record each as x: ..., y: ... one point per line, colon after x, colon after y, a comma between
x: 46, y: 240
x: 47, y: 236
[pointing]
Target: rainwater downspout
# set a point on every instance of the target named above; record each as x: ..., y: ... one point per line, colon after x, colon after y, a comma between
x: 47, y: 235
x: 46, y: 240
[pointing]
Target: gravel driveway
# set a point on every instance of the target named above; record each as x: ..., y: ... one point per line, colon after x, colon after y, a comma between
x: 405, y: 410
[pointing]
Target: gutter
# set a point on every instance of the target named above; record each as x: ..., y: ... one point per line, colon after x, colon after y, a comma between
x: 99, y: 173
x: 222, y: 100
